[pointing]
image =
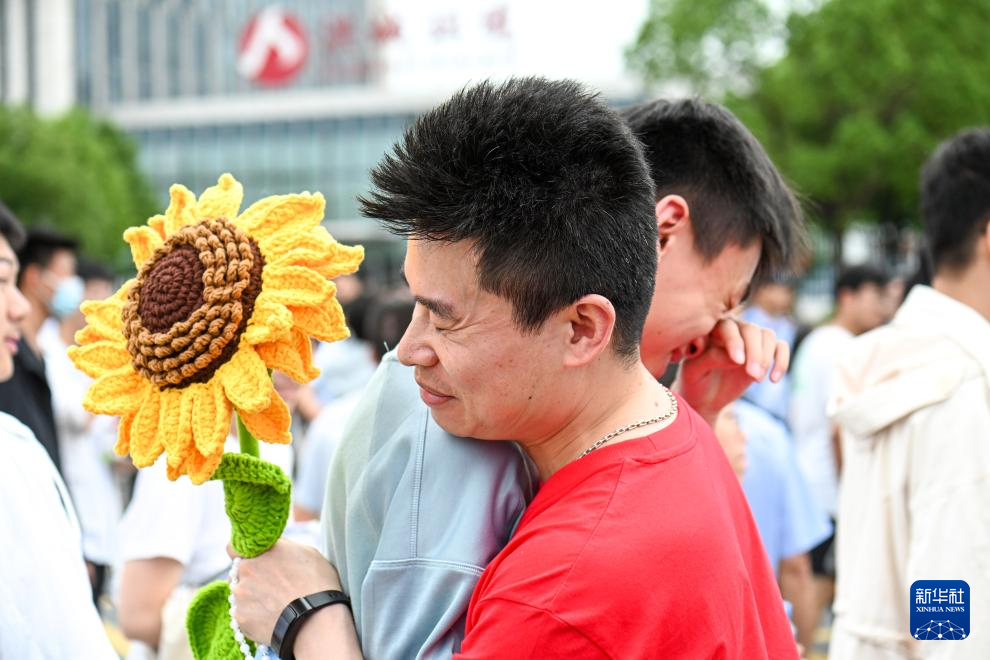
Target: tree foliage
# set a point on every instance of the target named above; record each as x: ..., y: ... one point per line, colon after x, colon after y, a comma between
x: 864, y: 91
x: 713, y: 46
x: 76, y: 174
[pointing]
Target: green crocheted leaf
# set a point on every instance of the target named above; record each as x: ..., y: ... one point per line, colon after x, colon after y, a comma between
x: 208, y: 625
x: 257, y: 496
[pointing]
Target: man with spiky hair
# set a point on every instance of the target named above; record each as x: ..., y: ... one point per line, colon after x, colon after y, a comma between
x: 533, y: 228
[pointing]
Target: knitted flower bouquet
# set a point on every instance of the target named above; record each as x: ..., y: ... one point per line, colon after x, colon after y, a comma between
x: 220, y: 300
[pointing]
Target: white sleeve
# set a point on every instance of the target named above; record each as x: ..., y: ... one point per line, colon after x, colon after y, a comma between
x: 46, y: 604
x: 948, y: 517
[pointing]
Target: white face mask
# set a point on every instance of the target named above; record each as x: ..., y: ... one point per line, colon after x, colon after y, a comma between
x: 67, y: 297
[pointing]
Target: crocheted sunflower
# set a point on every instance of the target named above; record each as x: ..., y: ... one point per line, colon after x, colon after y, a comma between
x: 220, y: 299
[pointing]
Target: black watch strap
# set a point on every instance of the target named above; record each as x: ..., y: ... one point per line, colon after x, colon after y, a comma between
x: 292, y: 617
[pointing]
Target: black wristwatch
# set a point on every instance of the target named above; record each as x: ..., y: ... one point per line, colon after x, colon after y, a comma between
x: 292, y: 617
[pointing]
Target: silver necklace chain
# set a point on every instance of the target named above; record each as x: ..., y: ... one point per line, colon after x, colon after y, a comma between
x: 646, y: 422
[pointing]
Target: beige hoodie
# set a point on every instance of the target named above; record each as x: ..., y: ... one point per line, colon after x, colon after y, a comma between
x: 913, y: 406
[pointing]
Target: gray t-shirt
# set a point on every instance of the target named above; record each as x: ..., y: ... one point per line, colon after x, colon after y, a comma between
x: 412, y: 517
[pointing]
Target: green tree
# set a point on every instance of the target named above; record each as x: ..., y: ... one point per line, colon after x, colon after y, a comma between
x: 712, y: 46
x: 863, y: 92
x: 74, y: 173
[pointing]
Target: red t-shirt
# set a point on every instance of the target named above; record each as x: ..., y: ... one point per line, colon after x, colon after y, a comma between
x: 642, y: 549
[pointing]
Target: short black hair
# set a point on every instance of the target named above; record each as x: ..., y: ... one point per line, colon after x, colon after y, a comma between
x: 853, y: 278
x: 11, y: 228
x: 703, y: 153
x: 386, y: 322
x: 41, y: 245
x: 547, y: 182
x: 89, y: 270
x: 955, y: 197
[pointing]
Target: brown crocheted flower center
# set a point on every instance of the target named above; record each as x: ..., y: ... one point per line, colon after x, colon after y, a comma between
x: 172, y: 290
x: 192, y: 301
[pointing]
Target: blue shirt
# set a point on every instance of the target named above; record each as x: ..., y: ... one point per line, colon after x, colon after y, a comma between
x: 412, y: 517
x: 790, y: 522
x: 772, y: 397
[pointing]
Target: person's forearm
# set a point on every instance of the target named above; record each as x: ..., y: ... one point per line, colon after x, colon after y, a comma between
x: 142, y: 625
x: 797, y: 585
x: 145, y: 585
x: 328, y: 633
x: 706, y: 414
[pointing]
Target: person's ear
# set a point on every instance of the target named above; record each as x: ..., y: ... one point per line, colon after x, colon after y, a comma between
x: 30, y: 277
x: 673, y: 218
x: 591, y: 321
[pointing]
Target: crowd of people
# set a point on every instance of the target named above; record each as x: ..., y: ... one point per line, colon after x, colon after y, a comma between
x: 579, y: 431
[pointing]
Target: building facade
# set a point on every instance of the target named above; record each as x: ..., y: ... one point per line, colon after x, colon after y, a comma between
x: 288, y: 95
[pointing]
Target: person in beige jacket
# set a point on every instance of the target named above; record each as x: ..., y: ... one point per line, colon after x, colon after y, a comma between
x: 913, y: 409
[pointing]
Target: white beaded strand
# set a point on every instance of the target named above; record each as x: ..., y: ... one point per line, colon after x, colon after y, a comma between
x: 238, y: 635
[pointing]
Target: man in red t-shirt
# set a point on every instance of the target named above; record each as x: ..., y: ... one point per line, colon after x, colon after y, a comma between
x: 532, y: 256
x: 644, y: 548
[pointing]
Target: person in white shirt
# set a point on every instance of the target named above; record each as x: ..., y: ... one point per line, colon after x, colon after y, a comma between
x: 913, y: 409
x: 859, y: 307
x: 46, y: 607
x: 173, y: 539
x: 85, y: 440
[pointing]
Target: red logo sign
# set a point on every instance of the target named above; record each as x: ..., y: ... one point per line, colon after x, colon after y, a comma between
x: 273, y: 48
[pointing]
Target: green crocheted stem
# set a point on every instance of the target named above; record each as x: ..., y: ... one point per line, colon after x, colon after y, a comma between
x: 249, y: 443
x: 208, y: 625
x: 257, y: 497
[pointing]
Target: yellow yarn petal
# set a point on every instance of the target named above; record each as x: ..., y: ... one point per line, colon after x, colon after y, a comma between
x: 297, y: 286
x: 325, y: 323
x: 170, y: 402
x: 180, y: 447
x: 116, y: 392
x: 97, y: 358
x: 88, y: 335
x: 345, y: 260
x: 270, y: 321
x: 211, y: 418
x: 293, y: 357
x: 199, y: 467
x: 146, y: 446
x: 323, y: 255
x: 103, y: 317
x: 286, y: 214
x: 245, y: 380
x: 284, y: 243
x: 180, y: 211
x: 123, y: 445
x: 271, y: 424
x: 143, y: 241
x: 220, y: 201
x: 157, y: 224
x: 186, y: 406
